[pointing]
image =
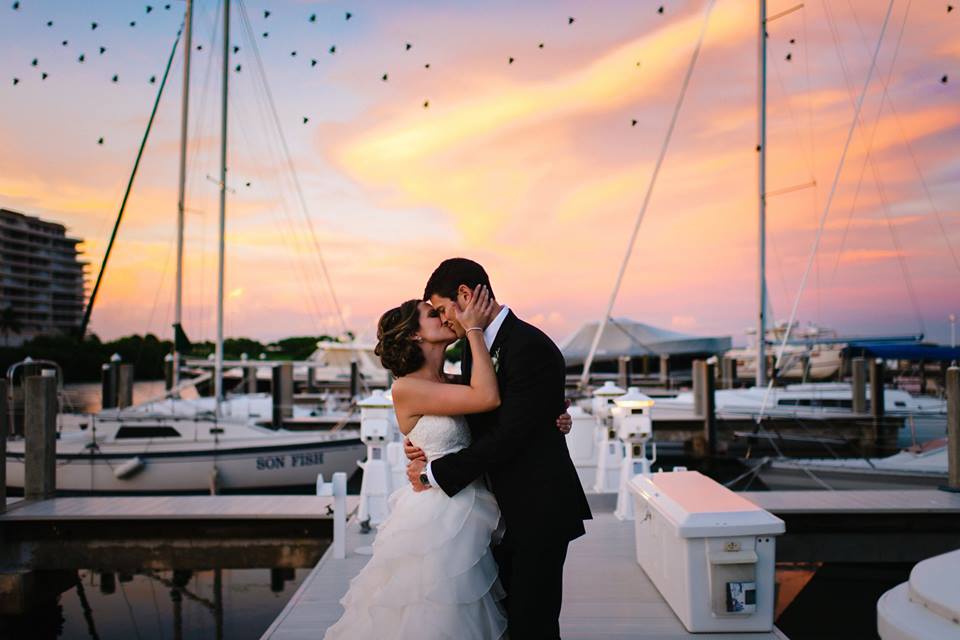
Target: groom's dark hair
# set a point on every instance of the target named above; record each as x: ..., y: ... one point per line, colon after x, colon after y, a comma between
x: 452, y: 273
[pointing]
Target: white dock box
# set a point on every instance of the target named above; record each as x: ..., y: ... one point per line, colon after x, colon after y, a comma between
x: 709, y: 551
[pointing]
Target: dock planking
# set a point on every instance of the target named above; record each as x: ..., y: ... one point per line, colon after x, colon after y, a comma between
x: 919, y: 501
x: 266, y: 507
x: 606, y: 593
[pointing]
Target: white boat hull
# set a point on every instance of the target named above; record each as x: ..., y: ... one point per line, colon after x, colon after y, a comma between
x: 254, y: 468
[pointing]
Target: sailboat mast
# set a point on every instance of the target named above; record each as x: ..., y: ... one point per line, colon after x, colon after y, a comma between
x: 762, y: 175
x: 218, y: 377
x: 181, y: 194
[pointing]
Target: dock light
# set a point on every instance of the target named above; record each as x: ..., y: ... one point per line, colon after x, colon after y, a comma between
x: 378, y: 430
x: 609, y: 448
x: 633, y: 423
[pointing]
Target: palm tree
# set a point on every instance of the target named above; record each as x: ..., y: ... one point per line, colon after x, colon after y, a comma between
x: 9, y: 322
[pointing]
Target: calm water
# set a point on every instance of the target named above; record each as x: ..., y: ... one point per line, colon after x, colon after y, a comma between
x: 156, y: 605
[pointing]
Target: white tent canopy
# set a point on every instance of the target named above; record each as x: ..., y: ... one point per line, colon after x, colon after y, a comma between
x: 625, y: 337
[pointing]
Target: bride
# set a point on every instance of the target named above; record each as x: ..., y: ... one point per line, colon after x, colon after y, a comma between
x: 432, y: 574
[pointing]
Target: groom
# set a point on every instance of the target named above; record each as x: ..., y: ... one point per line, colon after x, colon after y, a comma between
x: 521, y: 452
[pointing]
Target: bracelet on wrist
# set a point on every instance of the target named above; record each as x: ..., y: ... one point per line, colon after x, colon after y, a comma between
x: 480, y: 329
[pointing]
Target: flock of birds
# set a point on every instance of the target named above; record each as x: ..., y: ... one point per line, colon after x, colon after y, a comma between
x: 332, y: 50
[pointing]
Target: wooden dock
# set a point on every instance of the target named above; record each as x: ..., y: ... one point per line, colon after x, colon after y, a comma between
x: 606, y: 594
x: 863, y: 526
x: 185, y: 532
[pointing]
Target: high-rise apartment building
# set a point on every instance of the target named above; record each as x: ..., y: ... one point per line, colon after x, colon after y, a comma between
x: 42, y: 279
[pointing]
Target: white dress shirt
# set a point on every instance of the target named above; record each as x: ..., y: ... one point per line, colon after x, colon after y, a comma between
x: 489, y: 335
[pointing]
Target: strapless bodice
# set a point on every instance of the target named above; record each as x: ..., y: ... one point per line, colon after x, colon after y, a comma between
x: 440, y: 435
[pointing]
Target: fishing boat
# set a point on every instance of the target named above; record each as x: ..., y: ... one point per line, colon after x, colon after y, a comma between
x: 168, y: 455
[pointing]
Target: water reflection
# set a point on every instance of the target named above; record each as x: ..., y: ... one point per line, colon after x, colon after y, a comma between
x: 214, y: 604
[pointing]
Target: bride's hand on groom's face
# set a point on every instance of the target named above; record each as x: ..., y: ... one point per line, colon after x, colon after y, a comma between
x: 478, y: 310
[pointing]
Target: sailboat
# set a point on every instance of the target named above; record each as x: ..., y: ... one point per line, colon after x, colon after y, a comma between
x: 146, y: 452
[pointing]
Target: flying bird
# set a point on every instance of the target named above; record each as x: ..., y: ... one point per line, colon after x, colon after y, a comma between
x: 306, y: 119
x: 49, y: 23
x: 82, y: 57
x: 116, y: 78
x: 238, y: 67
x: 633, y: 123
x: 293, y: 54
x: 384, y: 77
x: 426, y: 103
x: 43, y: 75
x: 248, y: 184
x: 167, y: 7
x: 266, y: 14
x: 103, y: 50
x: 426, y: 66
x: 266, y: 34
x: 16, y: 81
x: 64, y: 43
x: 236, y: 49
x: 199, y: 47
x: 349, y: 15
x: 33, y: 62
x: 16, y: 5
x: 793, y: 41
x: 660, y: 9
x: 949, y: 8
x: 153, y: 79
x: 409, y: 46
x: 313, y: 62
x: 789, y: 57
x: 944, y: 79
x: 540, y: 46
x: 149, y: 8
x: 133, y: 23
x: 570, y: 20
x: 313, y: 17
x: 510, y: 60
x: 93, y: 26
x: 333, y: 48
x: 100, y: 141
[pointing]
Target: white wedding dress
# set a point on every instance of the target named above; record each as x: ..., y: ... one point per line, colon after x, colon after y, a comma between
x: 432, y: 575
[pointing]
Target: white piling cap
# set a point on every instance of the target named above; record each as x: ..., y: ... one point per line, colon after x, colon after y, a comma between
x: 168, y: 357
x: 609, y: 389
x: 634, y: 399
x: 244, y: 357
x: 376, y: 400
x: 115, y: 358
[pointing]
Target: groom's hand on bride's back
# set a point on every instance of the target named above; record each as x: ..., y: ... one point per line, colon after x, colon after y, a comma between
x: 565, y: 422
x: 413, y: 452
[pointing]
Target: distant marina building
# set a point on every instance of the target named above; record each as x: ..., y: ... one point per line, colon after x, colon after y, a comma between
x: 42, y: 279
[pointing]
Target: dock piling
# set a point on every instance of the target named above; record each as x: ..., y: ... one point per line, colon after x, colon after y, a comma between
x: 699, y: 380
x: 40, y: 430
x: 876, y: 388
x: 859, y: 371
x: 729, y: 373
x: 282, y: 393
x: 709, y: 404
x: 250, y: 378
x: 665, y: 370
x: 124, y: 386
x: 953, y: 428
x: 168, y: 372
x: 623, y: 371
x: 4, y: 432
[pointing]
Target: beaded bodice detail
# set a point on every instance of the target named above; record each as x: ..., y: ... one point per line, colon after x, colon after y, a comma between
x: 440, y: 435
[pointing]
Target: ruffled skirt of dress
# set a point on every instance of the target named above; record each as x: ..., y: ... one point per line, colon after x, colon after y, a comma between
x: 432, y: 575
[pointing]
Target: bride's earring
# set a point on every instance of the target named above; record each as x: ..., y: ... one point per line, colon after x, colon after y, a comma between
x: 417, y: 338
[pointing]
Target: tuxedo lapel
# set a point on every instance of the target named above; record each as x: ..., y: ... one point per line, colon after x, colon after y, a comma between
x: 505, y: 329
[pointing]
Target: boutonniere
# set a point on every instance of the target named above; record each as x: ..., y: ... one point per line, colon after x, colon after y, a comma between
x: 495, y: 357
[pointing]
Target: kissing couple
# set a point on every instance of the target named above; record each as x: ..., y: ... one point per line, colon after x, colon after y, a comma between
x: 474, y: 547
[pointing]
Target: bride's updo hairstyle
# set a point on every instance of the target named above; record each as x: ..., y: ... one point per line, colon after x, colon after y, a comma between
x: 395, y: 345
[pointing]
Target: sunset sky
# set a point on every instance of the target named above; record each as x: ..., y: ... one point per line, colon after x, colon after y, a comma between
x: 533, y: 168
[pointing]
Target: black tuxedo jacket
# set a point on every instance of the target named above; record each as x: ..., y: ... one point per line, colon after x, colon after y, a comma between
x: 518, y: 445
